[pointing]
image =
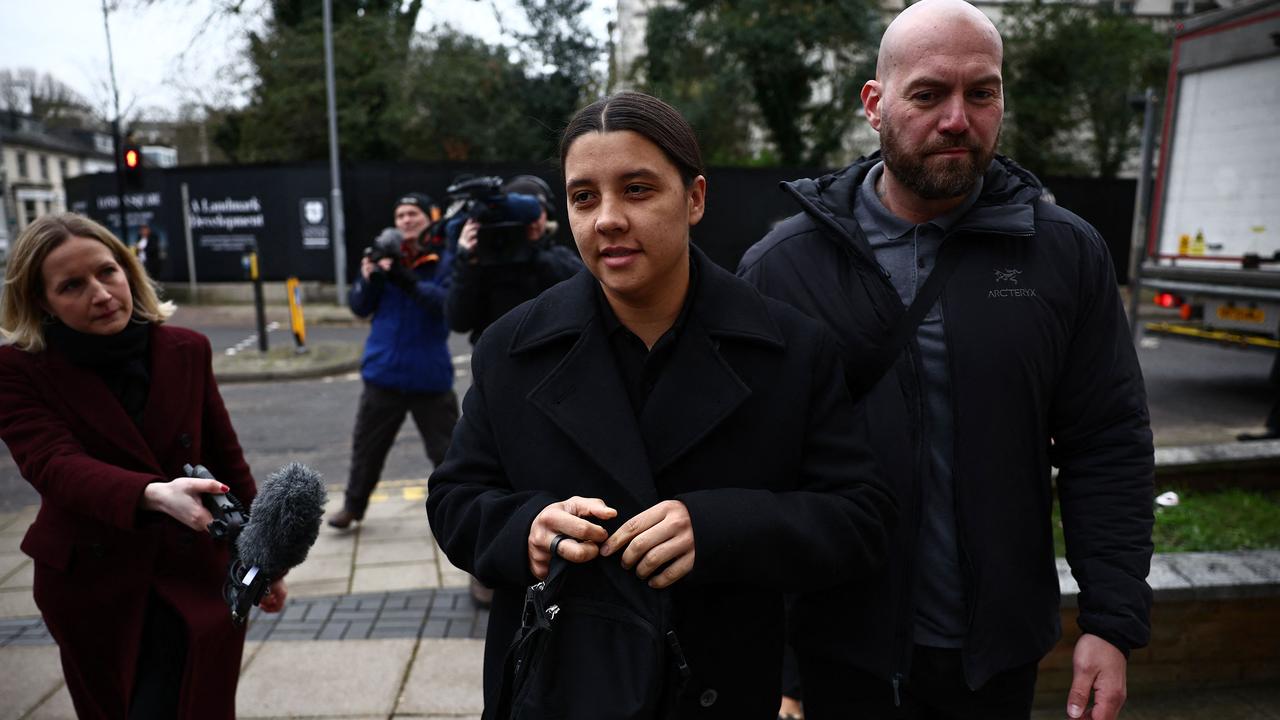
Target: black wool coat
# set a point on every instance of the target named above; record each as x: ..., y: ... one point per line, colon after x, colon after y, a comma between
x: 750, y: 426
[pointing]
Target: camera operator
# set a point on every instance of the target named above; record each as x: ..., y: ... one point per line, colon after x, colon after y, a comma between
x: 487, y: 281
x: 403, y: 283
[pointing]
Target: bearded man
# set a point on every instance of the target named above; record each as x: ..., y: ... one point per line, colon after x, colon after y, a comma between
x: 1014, y: 360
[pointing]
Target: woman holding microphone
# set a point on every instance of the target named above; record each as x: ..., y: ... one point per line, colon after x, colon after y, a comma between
x: 101, y: 406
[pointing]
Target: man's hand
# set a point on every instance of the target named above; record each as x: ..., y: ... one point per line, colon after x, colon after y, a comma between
x: 660, y: 536
x: 566, y: 518
x: 180, y: 500
x: 470, y: 233
x: 1097, y: 667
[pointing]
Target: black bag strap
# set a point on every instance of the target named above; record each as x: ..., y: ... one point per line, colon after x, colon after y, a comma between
x: 865, y: 377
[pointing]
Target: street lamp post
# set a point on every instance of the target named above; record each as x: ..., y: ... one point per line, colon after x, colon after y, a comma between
x: 115, y: 128
x: 335, y: 178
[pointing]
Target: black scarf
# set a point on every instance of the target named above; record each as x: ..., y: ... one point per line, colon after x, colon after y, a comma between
x: 121, y: 360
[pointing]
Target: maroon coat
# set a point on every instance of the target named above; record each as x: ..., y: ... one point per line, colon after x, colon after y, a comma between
x: 97, y: 556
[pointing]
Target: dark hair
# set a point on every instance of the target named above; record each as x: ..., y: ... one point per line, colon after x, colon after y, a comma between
x: 657, y: 121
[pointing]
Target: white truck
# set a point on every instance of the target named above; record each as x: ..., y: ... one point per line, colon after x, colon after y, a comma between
x: 1213, y: 250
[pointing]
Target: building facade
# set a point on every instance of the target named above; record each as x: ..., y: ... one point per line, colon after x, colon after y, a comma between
x: 35, y: 162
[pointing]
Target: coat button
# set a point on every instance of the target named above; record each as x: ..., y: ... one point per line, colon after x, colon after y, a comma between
x: 708, y: 697
x: 185, y: 440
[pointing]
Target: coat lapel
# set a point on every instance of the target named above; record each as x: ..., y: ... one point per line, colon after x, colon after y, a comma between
x: 170, y: 386
x: 696, y: 392
x: 698, y: 388
x: 84, y: 390
x: 583, y: 395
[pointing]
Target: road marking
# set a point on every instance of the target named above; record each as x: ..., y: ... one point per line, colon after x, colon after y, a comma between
x: 411, y: 489
x: 251, y: 340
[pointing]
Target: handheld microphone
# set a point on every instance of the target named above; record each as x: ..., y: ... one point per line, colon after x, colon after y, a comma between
x: 284, y: 521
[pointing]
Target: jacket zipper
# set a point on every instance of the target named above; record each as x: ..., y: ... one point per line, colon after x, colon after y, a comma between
x: 905, y: 612
x: 907, y: 609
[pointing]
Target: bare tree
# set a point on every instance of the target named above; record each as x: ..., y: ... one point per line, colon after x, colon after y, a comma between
x: 40, y: 95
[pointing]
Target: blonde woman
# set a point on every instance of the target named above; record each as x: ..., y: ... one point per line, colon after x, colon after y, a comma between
x: 101, y: 405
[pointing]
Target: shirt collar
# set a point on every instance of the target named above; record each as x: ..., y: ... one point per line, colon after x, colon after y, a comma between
x: 895, y: 227
x: 610, y: 319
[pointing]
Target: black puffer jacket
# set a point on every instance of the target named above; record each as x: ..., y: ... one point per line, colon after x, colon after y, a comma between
x: 1043, y: 374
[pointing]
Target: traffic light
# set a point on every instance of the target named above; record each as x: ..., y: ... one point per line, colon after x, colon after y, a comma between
x: 132, y: 164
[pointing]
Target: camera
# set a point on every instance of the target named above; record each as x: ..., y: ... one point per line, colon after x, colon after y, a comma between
x: 502, y: 238
x: 386, y: 245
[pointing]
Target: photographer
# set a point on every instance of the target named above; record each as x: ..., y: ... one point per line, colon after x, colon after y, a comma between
x: 406, y: 368
x: 504, y: 260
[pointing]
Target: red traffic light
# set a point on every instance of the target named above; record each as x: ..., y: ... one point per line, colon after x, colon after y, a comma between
x: 132, y: 159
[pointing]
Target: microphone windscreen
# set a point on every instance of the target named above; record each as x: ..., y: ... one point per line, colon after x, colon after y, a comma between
x: 284, y: 520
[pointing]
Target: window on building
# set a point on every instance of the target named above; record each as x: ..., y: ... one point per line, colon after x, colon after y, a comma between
x: 22, y: 166
x: 62, y: 168
x: 29, y: 210
x: 1180, y: 7
x: 42, y: 162
x: 1124, y: 7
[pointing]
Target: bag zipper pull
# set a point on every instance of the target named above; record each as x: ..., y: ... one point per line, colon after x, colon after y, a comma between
x: 897, y: 680
x: 681, y: 663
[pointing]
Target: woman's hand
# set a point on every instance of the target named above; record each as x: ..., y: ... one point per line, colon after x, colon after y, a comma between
x: 180, y: 499
x: 566, y: 518
x: 660, y: 537
x: 273, y: 600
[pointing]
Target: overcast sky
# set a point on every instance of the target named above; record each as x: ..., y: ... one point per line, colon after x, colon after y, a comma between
x: 161, y: 58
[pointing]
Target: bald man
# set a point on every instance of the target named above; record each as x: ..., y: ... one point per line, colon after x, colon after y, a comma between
x: 1014, y: 360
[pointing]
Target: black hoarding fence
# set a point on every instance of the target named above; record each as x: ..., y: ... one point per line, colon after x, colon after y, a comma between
x: 283, y: 211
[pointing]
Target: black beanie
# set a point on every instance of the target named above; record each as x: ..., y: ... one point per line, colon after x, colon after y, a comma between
x: 422, y: 201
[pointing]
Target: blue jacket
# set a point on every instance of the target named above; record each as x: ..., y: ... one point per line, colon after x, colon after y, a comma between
x: 407, y: 348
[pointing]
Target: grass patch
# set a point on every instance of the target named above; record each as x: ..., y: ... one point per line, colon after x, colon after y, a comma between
x: 1210, y: 522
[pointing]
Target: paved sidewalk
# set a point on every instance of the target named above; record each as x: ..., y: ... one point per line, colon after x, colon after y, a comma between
x: 378, y: 624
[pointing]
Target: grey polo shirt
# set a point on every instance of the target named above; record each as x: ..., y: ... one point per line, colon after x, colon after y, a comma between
x: 907, y: 253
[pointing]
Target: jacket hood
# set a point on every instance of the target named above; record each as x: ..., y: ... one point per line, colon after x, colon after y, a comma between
x: 1004, y: 207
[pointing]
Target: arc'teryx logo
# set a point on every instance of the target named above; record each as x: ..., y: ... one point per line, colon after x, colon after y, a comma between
x: 1009, y: 275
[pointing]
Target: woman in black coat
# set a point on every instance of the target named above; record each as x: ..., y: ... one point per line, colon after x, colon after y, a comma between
x: 693, y: 441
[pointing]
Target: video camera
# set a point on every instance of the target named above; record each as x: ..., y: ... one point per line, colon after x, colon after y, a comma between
x: 504, y: 218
